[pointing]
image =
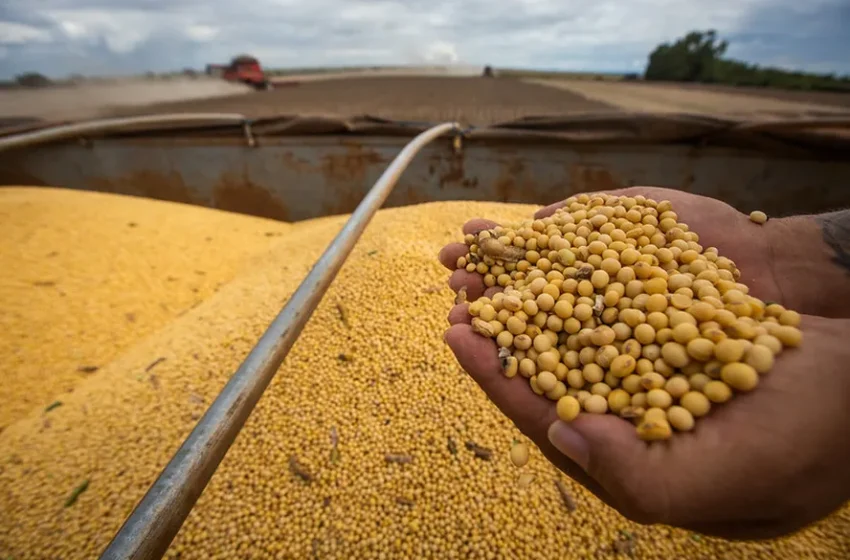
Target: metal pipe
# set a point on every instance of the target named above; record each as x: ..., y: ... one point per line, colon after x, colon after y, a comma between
x: 149, y: 530
x: 72, y: 130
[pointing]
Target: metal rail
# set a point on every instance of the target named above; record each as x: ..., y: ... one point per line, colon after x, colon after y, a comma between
x: 73, y: 130
x: 149, y: 530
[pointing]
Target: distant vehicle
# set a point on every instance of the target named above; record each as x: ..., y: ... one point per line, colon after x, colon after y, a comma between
x: 488, y: 71
x: 243, y: 68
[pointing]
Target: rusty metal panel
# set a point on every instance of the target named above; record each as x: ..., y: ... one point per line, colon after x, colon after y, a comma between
x: 299, y: 178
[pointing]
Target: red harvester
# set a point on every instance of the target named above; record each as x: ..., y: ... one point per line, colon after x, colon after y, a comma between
x: 243, y: 68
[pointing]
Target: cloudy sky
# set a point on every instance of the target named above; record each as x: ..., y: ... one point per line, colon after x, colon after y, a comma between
x: 61, y: 37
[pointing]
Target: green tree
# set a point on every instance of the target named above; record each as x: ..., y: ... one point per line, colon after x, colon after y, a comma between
x: 690, y: 59
x: 698, y: 57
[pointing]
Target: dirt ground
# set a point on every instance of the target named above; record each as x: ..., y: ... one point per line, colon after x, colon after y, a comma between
x: 473, y: 100
x: 400, y: 72
x: 667, y: 98
x: 89, y: 100
x: 834, y: 98
x: 462, y: 95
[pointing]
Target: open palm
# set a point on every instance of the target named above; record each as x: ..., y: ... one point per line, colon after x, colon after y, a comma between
x: 722, y: 226
x: 763, y: 464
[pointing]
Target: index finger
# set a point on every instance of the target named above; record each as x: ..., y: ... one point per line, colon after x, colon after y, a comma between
x: 477, y: 224
x: 450, y: 253
x: 479, y: 357
x: 658, y: 193
x: 531, y: 413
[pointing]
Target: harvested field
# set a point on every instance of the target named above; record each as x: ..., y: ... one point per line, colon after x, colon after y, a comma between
x: 396, y: 94
x: 831, y: 98
x: 288, y: 78
x: 668, y: 98
x: 472, y: 100
x: 89, y: 100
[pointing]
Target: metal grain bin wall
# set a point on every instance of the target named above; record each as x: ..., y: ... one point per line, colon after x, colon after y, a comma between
x: 299, y: 168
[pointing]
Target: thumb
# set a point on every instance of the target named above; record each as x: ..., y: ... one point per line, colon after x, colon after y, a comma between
x: 629, y: 469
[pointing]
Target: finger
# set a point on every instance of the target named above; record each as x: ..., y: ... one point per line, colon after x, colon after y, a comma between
x: 474, y: 283
x: 451, y: 253
x: 490, y: 292
x: 663, y: 482
x: 621, y: 463
x: 478, y: 224
x: 478, y: 356
x: 547, y: 211
x: 656, y: 193
x: 459, y: 314
x: 531, y: 413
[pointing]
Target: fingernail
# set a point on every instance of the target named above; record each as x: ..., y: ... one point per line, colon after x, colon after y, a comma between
x: 570, y: 443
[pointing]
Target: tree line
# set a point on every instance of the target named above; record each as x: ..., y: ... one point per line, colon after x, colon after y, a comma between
x: 699, y: 57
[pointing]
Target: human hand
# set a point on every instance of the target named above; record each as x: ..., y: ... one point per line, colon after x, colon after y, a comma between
x: 717, y: 223
x: 778, y: 260
x: 762, y: 465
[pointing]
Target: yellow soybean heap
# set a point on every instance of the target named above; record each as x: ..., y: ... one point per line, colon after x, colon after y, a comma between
x: 611, y: 305
x: 83, y: 276
x: 358, y: 448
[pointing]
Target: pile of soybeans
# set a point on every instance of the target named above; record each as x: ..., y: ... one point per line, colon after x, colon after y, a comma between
x: 370, y: 442
x: 611, y: 305
x: 85, y: 276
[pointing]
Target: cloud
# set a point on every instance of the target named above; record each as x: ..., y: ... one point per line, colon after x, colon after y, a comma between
x: 14, y: 33
x: 59, y: 37
x: 812, y: 36
x: 201, y: 33
x: 122, y: 32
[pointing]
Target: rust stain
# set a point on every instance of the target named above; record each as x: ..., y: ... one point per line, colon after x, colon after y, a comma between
x: 237, y: 193
x: 299, y: 165
x: 162, y: 186
x: 346, y: 197
x: 454, y: 174
x: 413, y: 194
x: 351, y: 166
x: 470, y: 182
x: 434, y: 162
x: 691, y: 160
x: 346, y: 176
x: 509, y: 184
x: 587, y: 178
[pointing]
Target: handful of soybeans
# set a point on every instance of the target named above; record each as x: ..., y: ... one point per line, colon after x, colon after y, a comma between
x: 611, y: 305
